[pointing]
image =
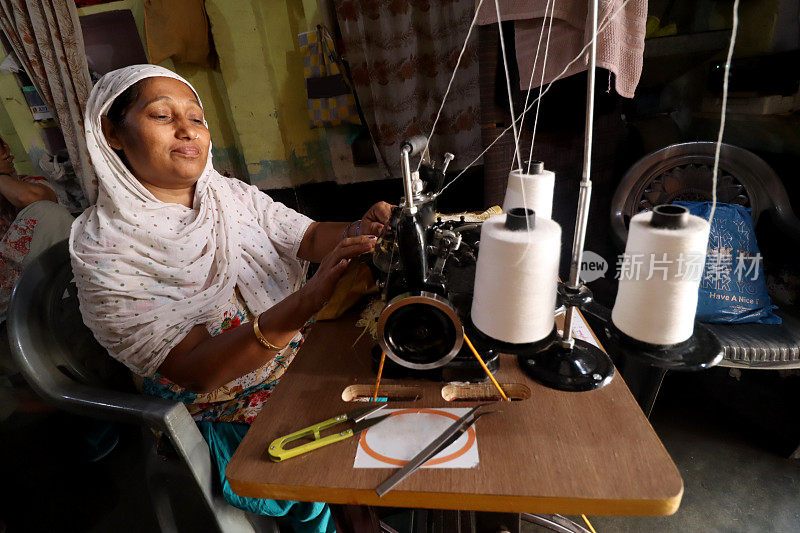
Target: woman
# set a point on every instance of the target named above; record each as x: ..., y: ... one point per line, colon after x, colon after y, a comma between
x: 173, y: 257
x: 30, y: 221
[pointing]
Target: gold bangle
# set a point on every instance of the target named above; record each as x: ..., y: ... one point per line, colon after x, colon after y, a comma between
x: 264, y: 342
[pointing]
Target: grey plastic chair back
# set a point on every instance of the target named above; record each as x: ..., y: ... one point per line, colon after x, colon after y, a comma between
x: 683, y: 172
x: 62, y: 362
x: 60, y: 334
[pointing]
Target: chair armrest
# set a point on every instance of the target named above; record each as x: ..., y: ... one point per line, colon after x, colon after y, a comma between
x: 168, y: 416
x: 113, y: 405
x: 39, y: 302
x: 70, y: 395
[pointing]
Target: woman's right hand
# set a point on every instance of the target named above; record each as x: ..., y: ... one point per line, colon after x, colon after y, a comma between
x: 320, y: 287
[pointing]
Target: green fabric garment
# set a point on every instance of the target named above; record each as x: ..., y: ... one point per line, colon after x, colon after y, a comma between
x: 305, y: 517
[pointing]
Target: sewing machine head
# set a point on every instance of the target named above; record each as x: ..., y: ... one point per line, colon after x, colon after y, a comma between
x: 425, y: 270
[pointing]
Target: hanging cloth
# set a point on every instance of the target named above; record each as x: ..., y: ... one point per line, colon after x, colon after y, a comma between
x: 620, y: 47
x: 177, y: 29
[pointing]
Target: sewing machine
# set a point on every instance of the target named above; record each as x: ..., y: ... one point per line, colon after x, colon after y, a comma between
x: 425, y: 270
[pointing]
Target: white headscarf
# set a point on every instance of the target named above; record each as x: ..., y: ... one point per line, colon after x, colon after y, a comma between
x: 148, y: 271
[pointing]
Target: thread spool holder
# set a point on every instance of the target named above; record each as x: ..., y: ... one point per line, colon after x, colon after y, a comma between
x: 571, y: 364
x: 699, y: 352
x: 577, y: 367
x: 579, y: 297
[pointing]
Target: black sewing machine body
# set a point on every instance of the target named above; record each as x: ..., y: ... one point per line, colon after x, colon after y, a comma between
x: 425, y: 270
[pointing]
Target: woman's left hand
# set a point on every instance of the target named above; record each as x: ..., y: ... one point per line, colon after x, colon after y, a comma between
x: 373, y: 221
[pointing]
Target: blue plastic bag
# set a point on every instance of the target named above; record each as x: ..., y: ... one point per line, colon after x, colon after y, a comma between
x: 733, y: 289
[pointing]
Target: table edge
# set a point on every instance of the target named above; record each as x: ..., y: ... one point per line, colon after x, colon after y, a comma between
x: 464, y: 501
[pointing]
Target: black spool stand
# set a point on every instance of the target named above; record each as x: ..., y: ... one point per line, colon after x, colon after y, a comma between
x: 573, y: 366
x: 645, y: 365
x: 581, y: 367
x: 700, y: 351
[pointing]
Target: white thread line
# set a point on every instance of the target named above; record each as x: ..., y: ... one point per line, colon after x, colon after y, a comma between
x: 508, y: 82
x: 450, y: 83
x: 522, y: 121
x: 600, y: 29
x: 714, y: 173
x: 538, y: 101
x: 530, y: 81
x: 541, y: 84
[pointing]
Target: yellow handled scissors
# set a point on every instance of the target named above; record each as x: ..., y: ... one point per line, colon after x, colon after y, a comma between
x: 278, y: 452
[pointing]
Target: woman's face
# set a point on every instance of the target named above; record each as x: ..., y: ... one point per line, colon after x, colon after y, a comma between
x: 163, y: 136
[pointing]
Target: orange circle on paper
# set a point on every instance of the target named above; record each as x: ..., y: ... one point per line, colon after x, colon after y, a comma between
x: 399, y: 462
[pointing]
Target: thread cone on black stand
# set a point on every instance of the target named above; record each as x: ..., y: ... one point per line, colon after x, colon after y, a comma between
x: 571, y: 364
x: 653, y: 315
x: 516, y: 278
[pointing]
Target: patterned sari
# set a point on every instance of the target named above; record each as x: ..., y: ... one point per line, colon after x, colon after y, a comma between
x: 224, y: 415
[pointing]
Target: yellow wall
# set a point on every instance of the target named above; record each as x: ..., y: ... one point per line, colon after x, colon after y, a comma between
x: 19, y: 132
x: 254, y: 99
x: 17, y: 125
x: 263, y: 72
x: 209, y: 85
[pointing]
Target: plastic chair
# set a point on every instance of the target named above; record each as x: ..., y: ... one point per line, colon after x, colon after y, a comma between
x: 62, y: 362
x: 683, y: 172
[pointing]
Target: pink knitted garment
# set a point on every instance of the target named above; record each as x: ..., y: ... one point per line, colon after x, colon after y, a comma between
x: 620, y: 46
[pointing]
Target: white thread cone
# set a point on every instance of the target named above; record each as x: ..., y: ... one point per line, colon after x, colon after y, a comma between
x: 516, y: 280
x: 658, y: 310
x: 538, y: 192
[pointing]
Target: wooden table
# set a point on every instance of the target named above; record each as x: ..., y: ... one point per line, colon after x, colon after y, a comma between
x: 556, y: 452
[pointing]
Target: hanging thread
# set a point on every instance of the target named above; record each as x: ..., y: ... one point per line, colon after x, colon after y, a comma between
x: 530, y: 80
x: 486, y: 368
x: 521, y: 187
x: 378, y: 380
x: 523, y: 311
x: 508, y: 82
x: 591, y: 527
x: 658, y: 311
x: 600, y: 29
x: 715, y: 171
x: 541, y: 85
x: 660, y: 276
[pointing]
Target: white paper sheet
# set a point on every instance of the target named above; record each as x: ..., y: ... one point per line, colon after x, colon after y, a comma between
x: 396, y: 440
x: 580, y: 329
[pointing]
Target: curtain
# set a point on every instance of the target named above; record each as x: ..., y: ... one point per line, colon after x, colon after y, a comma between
x: 46, y: 37
x: 401, y: 55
